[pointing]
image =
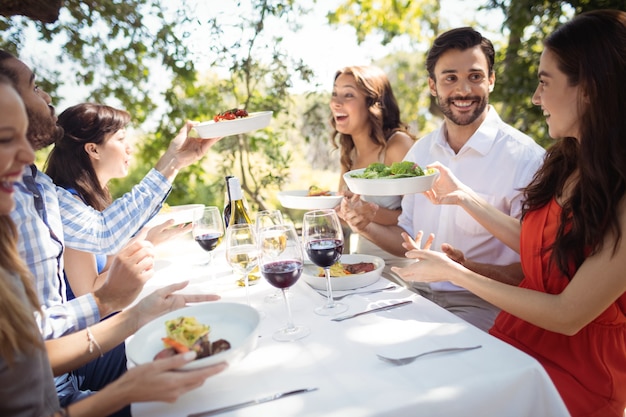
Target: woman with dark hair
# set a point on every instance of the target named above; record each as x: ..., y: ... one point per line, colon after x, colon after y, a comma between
x: 367, y: 129
x: 92, y: 151
x: 569, y: 312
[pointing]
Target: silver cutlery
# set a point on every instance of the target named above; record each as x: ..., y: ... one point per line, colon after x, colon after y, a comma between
x: 339, y: 297
x: 261, y: 400
x: 409, y: 359
x: 374, y: 310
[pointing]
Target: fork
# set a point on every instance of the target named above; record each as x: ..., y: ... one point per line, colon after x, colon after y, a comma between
x: 339, y: 297
x: 409, y: 359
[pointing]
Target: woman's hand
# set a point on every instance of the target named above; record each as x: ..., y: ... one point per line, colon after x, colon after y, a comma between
x: 356, y: 212
x: 164, y: 300
x: 160, y: 381
x: 430, y: 266
x: 446, y: 189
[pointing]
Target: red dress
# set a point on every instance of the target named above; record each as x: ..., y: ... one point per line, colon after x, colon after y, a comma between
x: 589, y: 368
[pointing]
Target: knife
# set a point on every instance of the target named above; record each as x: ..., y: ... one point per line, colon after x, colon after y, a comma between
x: 261, y: 400
x: 383, y: 308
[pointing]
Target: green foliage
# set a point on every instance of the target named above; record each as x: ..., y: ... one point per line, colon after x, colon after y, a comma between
x: 122, y: 50
x: 392, y: 18
x: 527, y: 23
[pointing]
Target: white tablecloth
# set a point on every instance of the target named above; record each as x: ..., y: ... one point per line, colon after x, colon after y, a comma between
x: 339, y: 358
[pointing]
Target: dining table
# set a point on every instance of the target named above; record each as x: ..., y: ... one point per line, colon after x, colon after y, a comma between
x: 338, y: 360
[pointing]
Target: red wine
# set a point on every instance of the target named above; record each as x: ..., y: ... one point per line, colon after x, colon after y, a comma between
x: 209, y: 241
x: 324, y: 252
x: 282, y: 274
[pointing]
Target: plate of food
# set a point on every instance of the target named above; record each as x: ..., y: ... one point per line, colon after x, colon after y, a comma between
x: 314, y: 198
x: 397, y: 179
x: 233, y: 122
x: 180, y: 214
x: 218, y: 331
x: 351, y: 272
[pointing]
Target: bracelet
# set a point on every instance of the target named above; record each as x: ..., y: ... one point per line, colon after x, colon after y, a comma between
x: 92, y: 341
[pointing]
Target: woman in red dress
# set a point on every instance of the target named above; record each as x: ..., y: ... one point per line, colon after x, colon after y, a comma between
x: 569, y: 312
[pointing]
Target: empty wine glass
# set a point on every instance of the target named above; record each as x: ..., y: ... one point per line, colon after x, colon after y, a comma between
x: 241, y: 251
x: 265, y: 218
x: 323, y: 242
x: 208, y: 229
x: 281, y: 260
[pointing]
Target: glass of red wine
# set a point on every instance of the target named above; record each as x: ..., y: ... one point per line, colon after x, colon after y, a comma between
x: 281, y: 261
x: 323, y: 242
x: 208, y: 229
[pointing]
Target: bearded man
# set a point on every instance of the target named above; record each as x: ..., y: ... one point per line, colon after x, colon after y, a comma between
x: 485, y: 153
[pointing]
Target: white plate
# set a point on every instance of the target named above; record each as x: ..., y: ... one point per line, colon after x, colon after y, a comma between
x: 299, y: 199
x: 254, y: 121
x: 180, y: 214
x: 235, y: 322
x: 348, y: 282
x: 388, y: 186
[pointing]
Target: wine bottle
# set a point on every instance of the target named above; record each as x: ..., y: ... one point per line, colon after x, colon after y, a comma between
x: 238, y: 215
x: 238, y: 212
x: 227, y: 201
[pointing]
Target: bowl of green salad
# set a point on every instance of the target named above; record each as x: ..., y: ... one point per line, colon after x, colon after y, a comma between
x: 399, y: 178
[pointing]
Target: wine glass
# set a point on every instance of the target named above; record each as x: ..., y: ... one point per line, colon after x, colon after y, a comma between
x: 281, y: 260
x: 267, y: 218
x: 241, y: 251
x: 208, y: 229
x: 323, y: 242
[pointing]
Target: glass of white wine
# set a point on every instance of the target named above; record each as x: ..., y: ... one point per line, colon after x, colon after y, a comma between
x: 242, y: 252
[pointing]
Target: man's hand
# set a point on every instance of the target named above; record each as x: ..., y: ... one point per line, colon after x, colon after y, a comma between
x: 131, y: 268
x: 184, y: 150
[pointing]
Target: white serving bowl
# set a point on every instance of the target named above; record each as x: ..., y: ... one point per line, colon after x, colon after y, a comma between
x: 348, y: 282
x: 254, y: 121
x: 300, y: 199
x: 389, y: 186
x: 234, y: 322
x: 180, y: 214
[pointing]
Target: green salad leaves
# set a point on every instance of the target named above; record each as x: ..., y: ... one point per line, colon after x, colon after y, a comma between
x: 378, y: 170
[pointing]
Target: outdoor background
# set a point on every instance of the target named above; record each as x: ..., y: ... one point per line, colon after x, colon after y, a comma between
x: 168, y: 61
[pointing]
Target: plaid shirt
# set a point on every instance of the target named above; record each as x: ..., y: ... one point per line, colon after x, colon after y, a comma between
x: 70, y: 222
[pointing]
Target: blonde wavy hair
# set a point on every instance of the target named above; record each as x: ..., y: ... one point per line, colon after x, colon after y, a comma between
x: 19, y: 331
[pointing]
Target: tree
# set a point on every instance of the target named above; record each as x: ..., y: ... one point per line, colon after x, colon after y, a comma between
x: 46, y: 11
x: 527, y: 22
x: 121, y: 51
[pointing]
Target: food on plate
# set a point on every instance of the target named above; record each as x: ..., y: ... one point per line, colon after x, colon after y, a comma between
x: 341, y: 270
x: 186, y: 333
x: 231, y: 114
x: 315, y: 191
x: 404, y: 169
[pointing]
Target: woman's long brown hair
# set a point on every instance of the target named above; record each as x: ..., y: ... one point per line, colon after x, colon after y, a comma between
x: 69, y: 164
x: 591, y: 52
x: 384, y: 113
